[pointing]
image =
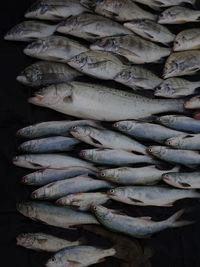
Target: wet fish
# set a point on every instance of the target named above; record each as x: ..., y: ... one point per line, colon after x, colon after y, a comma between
x: 132, y: 47
x: 106, y: 139
x: 91, y: 27
x: 150, y: 30
x: 179, y: 15
x: 104, y: 103
x: 150, y: 195
x: 44, y: 242
x: 44, y: 73
x: 49, y: 144
x: 78, y: 184
x: 193, y: 103
x: 54, y: 9
x: 54, y: 48
x: 138, y: 78
x: 164, y: 3
x: 176, y: 88
x: 187, y: 40
x: 83, y: 201
x: 79, y: 256
x: 54, y: 215
x: 187, y: 141
x: 182, y: 63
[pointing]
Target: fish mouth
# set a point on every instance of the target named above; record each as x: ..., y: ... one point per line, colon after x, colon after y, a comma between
x: 22, y: 79
x: 35, y: 99
x: 165, y: 178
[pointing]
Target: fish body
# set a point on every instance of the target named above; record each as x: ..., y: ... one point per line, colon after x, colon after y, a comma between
x: 187, y: 141
x: 185, y: 180
x: 187, y: 40
x: 193, y: 103
x: 164, y: 3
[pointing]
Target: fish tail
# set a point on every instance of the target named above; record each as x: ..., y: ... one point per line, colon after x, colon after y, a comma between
x: 173, y: 220
x: 111, y: 251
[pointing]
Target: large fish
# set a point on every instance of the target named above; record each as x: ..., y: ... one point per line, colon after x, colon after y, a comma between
x: 187, y: 40
x: 193, y: 103
x: 98, y: 102
x: 155, y: 4
x: 187, y: 141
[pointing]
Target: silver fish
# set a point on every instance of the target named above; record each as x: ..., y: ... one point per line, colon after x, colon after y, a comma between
x: 54, y: 9
x: 187, y: 141
x: 44, y: 242
x: 150, y: 195
x: 164, y: 3
x: 182, y: 63
x: 187, y: 40
x: 54, y: 48
x: 132, y: 47
x: 91, y: 27
x: 106, y: 139
x: 193, y: 103
x: 44, y: 73
x: 73, y: 98
x: 54, y: 215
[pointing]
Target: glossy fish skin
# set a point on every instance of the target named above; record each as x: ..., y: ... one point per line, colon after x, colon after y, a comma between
x: 150, y: 30
x: 49, y: 144
x: 44, y: 73
x: 83, y: 201
x: 82, y: 183
x: 91, y: 27
x: 73, y: 98
x: 150, y: 195
x: 193, y: 103
x: 164, y: 3
x: 104, y: 138
x: 185, y: 180
x: 54, y: 215
x: 79, y: 256
x: 132, y: 47
x: 187, y: 141
x: 187, y: 40
x: 44, y: 242
x: 54, y: 48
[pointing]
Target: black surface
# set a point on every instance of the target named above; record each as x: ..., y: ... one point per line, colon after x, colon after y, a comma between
x: 174, y: 248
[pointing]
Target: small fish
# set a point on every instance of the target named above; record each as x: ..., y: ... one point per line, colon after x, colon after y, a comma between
x: 30, y: 30
x: 106, y: 139
x: 54, y: 215
x: 54, y: 9
x: 150, y: 30
x: 186, y: 180
x: 44, y: 242
x: 49, y: 144
x: 187, y: 141
x: 138, y: 78
x: 179, y: 15
x: 187, y: 40
x: 83, y: 201
x: 176, y: 88
x: 139, y: 227
x: 54, y: 48
x: 44, y: 73
x: 146, y: 131
x: 79, y: 256
x: 91, y: 27
x: 150, y: 195
x: 193, y: 103
x: 182, y: 63
x: 132, y: 47
x: 157, y: 4
x: 148, y: 175
x: 78, y: 184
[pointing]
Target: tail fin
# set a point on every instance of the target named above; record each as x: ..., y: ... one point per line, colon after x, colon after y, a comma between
x: 175, y: 169
x: 173, y: 220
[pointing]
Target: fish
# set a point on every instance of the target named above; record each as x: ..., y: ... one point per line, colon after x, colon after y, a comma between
x: 104, y: 103
x: 193, y: 103
x: 147, y: 175
x: 44, y: 242
x: 80, y: 256
x: 83, y: 201
x: 176, y: 88
x: 118, y: 9
x: 187, y: 40
x: 91, y: 27
x: 48, y: 175
x: 180, y: 122
x: 136, y: 49
x: 139, y: 227
x: 179, y: 15
x: 54, y: 48
x: 57, y: 161
x: 54, y: 9
x: 146, y: 131
x: 28, y: 31
x: 49, y: 144
x: 185, y: 180
x: 137, y: 77
x: 104, y: 138
x: 150, y: 195
x: 50, y: 214
x: 44, y: 73
x: 78, y: 184
x: 182, y: 63
x: 150, y: 30
x: 157, y: 4
x: 187, y: 142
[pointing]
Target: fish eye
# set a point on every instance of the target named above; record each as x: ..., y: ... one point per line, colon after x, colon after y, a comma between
x: 102, y: 174
x: 150, y: 149
x: 53, y: 259
x: 74, y: 127
x: 112, y: 191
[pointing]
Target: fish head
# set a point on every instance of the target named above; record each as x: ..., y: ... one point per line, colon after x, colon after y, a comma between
x: 172, y: 66
x: 27, y: 209
x: 69, y: 24
x: 17, y: 32
x: 43, y: 191
x: 193, y: 103
x: 109, y: 174
x: 25, y: 161
x: 31, y: 76
x: 100, y: 212
x: 25, y: 240
x: 175, y: 179
x: 174, y: 141
x: 56, y: 261
x: 25, y: 132
x: 29, y: 178
x: 38, y: 10
x: 78, y: 61
x: 167, y: 120
x: 157, y: 151
x: 106, y: 44
x: 116, y: 193
x: 124, y: 76
x: 165, y: 89
x: 38, y: 47
x: 123, y: 126
x: 169, y: 15
x: 179, y: 43
x: 81, y: 132
x: 63, y: 201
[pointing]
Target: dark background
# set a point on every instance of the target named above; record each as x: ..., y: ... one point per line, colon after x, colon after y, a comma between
x: 173, y: 248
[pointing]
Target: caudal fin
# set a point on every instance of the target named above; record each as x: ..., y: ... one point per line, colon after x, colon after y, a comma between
x: 173, y: 220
